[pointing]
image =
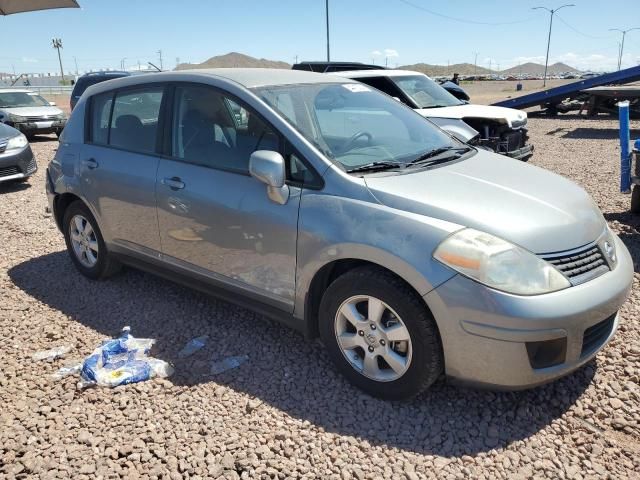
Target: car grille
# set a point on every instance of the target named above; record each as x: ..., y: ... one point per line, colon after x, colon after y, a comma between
x: 595, y: 335
x: 40, y: 118
x: 6, y: 171
x: 581, y: 265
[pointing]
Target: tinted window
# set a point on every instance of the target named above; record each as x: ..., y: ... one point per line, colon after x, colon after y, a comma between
x: 100, y: 112
x: 22, y: 99
x: 212, y: 130
x: 134, y: 122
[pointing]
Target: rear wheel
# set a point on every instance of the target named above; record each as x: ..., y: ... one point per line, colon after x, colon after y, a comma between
x: 380, y: 334
x: 85, y: 243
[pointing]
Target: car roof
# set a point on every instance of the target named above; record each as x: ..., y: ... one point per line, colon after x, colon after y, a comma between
x: 106, y: 73
x: 376, y: 73
x: 247, y: 77
x: 15, y: 90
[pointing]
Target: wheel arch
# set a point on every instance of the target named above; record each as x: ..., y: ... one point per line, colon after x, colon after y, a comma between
x: 330, y: 271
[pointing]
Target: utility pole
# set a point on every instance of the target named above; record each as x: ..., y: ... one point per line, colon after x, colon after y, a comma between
x: 122, y: 63
x: 624, y: 33
x: 489, y: 66
x: 160, y: 57
x: 57, y: 44
x: 552, y: 12
x: 327, y: 13
x: 76, y: 62
x: 296, y: 57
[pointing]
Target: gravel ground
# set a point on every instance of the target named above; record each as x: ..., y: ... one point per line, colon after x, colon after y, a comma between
x: 285, y: 413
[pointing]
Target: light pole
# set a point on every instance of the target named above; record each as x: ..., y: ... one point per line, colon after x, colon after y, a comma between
x: 475, y: 64
x: 624, y: 33
x: 57, y: 44
x: 552, y: 12
x: 122, y: 63
x: 327, y: 14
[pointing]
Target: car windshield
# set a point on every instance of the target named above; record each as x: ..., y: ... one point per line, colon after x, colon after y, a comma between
x: 425, y: 92
x: 355, y: 125
x: 21, y: 99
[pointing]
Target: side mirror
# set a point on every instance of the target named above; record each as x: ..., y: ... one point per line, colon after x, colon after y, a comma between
x: 268, y: 167
x: 53, y: 104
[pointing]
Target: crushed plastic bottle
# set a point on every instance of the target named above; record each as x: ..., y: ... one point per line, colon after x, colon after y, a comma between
x: 51, y: 355
x: 70, y: 369
x: 228, y: 364
x: 193, y: 346
x: 121, y: 361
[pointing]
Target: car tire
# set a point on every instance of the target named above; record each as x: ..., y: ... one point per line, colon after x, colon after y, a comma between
x: 360, y: 291
x: 635, y: 200
x: 85, y: 243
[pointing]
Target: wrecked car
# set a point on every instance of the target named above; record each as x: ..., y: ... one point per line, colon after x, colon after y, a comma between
x: 502, y: 130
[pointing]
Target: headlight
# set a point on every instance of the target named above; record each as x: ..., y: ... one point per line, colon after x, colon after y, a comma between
x: 17, y: 118
x: 499, y: 264
x: 19, y: 141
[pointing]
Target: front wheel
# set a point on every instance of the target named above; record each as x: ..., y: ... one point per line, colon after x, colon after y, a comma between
x: 85, y: 243
x: 380, y: 334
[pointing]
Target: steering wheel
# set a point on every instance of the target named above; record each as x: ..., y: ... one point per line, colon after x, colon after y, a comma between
x: 348, y: 145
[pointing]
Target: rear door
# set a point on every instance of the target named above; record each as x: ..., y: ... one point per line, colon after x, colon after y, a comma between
x: 119, y: 165
x: 214, y: 218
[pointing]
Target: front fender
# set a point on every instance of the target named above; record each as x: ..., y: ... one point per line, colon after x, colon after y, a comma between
x: 334, y: 228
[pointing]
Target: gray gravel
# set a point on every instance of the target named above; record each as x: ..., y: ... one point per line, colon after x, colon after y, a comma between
x: 285, y: 413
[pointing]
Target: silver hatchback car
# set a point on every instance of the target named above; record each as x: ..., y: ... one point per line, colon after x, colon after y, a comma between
x: 334, y: 208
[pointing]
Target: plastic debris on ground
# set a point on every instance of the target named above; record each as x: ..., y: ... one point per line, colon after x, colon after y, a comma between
x: 121, y: 361
x: 51, y: 355
x: 70, y: 369
x: 227, y: 364
x: 193, y: 346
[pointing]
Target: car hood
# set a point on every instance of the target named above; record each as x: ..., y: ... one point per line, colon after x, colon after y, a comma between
x: 508, y: 115
x: 526, y: 205
x: 7, y: 132
x: 33, y: 111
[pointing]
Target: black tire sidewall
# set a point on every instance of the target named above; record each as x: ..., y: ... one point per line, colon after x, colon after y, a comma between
x: 97, y: 271
x: 418, y: 320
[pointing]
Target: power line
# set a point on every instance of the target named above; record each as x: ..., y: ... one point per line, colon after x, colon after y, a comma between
x: 582, y: 33
x: 462, y: 20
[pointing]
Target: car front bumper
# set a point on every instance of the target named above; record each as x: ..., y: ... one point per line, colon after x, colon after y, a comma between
x: 17, y: 164
x: 524, y: 153
x: 488, y: 336
x: 40, y: 127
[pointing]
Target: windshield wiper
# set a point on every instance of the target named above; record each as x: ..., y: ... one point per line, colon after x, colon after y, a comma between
x: 375, y: 166
x: 431, y: 157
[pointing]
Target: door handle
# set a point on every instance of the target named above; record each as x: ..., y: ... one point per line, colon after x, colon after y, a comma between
x: 174, y: 183
x: 90, y: 163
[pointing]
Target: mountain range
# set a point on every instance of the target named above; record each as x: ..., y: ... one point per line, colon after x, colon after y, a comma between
x: 240, y: 60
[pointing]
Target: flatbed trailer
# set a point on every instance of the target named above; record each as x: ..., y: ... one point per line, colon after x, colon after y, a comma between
x: 552, y: 97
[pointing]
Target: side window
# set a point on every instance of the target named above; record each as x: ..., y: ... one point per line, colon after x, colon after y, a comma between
x: 134, y: 122
x: 213, y: 130
x: 100, y: 112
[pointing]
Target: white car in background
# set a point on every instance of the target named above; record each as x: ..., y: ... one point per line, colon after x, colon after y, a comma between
x: 30, y: 113
x: 502, y: 130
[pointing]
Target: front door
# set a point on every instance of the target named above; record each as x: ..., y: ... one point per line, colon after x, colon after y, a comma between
x: 119, y: 165
x: 214, y: 218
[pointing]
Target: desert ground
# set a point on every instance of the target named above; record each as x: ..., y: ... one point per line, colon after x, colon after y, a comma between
x: 286, y: 413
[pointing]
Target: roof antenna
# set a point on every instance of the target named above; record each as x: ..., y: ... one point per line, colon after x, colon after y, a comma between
x: 154, y: 66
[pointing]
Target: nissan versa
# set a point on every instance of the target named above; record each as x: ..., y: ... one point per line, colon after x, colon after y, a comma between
x: 328, y: 205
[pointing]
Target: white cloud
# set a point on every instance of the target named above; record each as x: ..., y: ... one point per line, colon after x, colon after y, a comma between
x: 387, y: 52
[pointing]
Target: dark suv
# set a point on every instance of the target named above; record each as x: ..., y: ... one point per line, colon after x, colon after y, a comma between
x: 91, y: 78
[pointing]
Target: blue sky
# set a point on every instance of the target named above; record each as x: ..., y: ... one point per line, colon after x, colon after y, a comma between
x: 102, y: 33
